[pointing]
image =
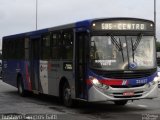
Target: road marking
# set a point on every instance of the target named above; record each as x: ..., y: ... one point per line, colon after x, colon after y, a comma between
x: 144, y: 106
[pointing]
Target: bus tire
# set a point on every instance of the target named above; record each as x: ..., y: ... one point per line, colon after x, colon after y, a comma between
x: 66, y: 95
x: 121, y: 102
x: 20, y: 87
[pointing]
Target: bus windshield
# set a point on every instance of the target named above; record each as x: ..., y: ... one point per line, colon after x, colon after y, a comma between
x: 122, y: 52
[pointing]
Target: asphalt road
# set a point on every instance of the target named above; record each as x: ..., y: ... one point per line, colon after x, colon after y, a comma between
x: 12, y: 104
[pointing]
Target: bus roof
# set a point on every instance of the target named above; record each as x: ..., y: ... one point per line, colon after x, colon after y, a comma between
x: 84, y: 23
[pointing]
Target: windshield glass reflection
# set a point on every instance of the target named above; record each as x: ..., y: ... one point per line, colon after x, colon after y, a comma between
x: 122, y: 52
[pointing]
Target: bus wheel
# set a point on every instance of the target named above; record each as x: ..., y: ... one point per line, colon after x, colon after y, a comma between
x: 20, y: 86
x: 66, y: 95
x: 121, y: 102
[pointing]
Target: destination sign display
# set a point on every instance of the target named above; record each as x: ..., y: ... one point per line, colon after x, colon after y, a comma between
x: 123, y: 25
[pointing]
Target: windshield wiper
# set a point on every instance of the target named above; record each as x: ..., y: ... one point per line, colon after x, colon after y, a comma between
x: 135, y: 45
x: 117, y: 44
x: 139, y: 38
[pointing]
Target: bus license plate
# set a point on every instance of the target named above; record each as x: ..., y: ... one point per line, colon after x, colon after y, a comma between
x: 130, y: 93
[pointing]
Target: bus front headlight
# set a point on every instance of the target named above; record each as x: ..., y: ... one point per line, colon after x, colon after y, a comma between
x: 98, y: 84
x: 158, y: 74
x: 157, y: 79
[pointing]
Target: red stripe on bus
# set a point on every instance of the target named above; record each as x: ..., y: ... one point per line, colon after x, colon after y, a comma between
x: 112, y: 82
x: 107, y: 82
x: 89, y: 82
x: 28, y: 78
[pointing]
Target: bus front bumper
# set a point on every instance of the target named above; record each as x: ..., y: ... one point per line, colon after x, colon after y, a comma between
x: 112, y: 94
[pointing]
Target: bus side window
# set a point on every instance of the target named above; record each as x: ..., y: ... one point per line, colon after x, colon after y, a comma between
x: 11, y: 49
x: 55, y: 45
x: 45, y: 45
x: 67, y: 52
x: 19, y: 48
x: 62, y: 45
x: 5, y: 50
x: 26, y: 48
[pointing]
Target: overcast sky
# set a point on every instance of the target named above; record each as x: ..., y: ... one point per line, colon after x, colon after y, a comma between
x: 17, y: 16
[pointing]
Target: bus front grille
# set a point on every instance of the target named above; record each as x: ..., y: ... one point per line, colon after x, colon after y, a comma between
x: 120, y: 95
x: 126, y: 86
x: 127, y: 96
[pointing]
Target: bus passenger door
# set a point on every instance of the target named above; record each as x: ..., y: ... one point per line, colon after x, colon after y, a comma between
x: 34, y: 62
x: 80, y: 64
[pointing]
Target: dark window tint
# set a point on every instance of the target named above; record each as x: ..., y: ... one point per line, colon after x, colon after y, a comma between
x: 45, y: 53
x: 67, y: 45
x: 56, y: 42
x: 26, y: 48
x: 13, y: 48
x: 62, y: 44
x: 19, y: 48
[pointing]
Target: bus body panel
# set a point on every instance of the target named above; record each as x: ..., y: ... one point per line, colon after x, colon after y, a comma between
x: 12, y: 69
x: 95, y: 95
x: 140, y: 87
x: 57, y: 71
x: 9, y: 71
